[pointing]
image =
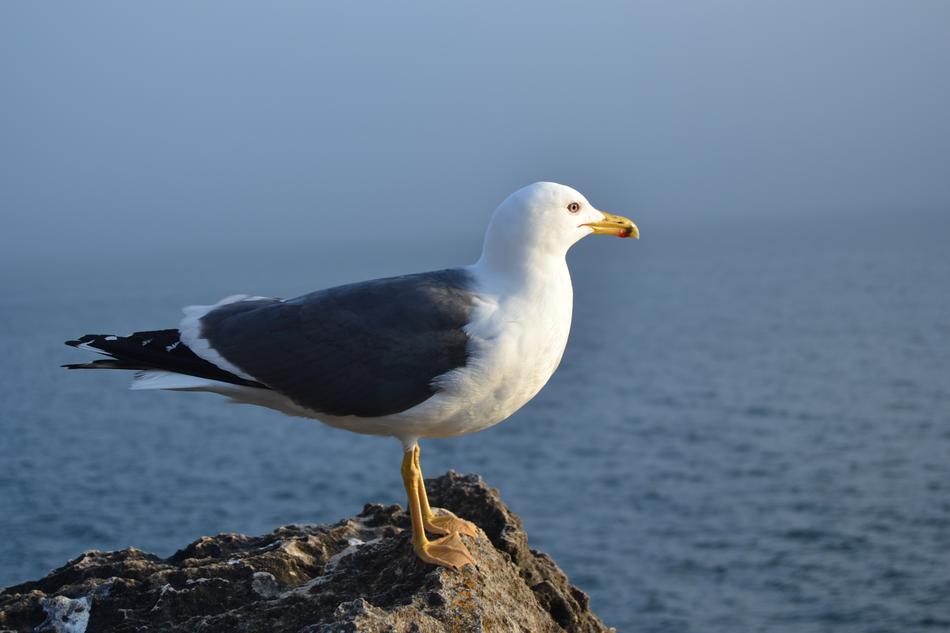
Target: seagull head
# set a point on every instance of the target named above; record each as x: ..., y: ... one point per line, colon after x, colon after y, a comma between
x: 548, y: 218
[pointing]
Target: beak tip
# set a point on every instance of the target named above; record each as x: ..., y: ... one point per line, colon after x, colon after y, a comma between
x: 615, y: 225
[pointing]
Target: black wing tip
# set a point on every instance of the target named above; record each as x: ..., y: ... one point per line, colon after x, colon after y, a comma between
x: 90, y: 365
x: 107, y: 363
x: 158, y: 349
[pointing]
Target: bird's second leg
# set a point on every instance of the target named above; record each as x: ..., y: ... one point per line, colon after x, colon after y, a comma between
x: 439, y: 523
x: 448, y: 551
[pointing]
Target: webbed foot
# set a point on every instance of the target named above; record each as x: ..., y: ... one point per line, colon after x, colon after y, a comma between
x: 448, y: 551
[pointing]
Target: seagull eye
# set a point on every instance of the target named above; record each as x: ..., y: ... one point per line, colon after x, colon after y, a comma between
x: 574, y: 207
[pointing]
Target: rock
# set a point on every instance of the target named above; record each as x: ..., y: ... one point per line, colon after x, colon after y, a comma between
x: 358, y: 575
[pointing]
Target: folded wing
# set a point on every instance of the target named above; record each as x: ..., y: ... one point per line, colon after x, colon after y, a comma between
x: 368, y: 349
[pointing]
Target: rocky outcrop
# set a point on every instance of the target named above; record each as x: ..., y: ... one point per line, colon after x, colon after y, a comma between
x: 357, y: 575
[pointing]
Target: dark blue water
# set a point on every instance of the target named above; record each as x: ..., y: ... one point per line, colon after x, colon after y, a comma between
x: 750, y: 430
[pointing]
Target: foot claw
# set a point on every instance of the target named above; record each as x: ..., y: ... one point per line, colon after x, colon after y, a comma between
x: 448, y: 551
x: 450, y: 524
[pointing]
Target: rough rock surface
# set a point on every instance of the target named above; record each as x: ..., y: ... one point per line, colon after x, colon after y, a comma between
x: 358, y: 575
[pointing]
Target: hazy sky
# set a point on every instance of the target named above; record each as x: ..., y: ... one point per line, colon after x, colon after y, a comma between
x: 146, y: 126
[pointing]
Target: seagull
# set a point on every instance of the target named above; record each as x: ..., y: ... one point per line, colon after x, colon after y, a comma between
x: 428, y: 355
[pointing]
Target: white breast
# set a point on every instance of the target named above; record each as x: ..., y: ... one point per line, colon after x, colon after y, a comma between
x: 517, y: 337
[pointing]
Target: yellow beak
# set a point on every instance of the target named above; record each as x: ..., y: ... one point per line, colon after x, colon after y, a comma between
x: 614, y: 225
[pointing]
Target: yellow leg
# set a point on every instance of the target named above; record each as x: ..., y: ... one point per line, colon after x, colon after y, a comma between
x: 448, y: 551
x: 443, y: 523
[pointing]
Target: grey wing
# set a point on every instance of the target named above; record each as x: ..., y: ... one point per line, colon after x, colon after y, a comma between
x: 368, y: 349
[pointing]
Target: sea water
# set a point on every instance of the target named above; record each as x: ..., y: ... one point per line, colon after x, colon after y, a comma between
x: 750, y: 429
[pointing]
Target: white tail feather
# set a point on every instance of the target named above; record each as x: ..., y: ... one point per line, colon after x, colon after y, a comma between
x: 159, y: 379
x: 240, y: 394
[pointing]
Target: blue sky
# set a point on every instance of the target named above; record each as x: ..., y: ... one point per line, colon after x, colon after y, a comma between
x: 143, y: 126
